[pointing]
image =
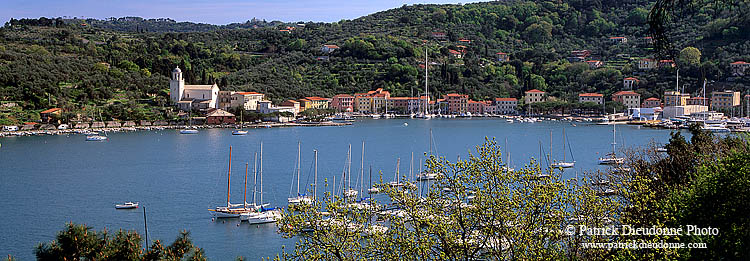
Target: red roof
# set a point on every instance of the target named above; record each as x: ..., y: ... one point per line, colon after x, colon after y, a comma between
x: 620, y: 93
x: 590, y: 95
x: 473, y: 101
x: 454, y: 52
x: 455, y: 95
x: 593, y: 61
x: 653, y: 99
x: 343, y: 96
x: 331, y: 46
x: 315, y: 98
x: 500, y: 53
x: 740, y: 62
x: 30, y: 123
x: 534, y: 90
x: 506, y: 99
x: 631, y: 78
x: 51, y: 110
x: 464, y: 40
x: 666, y: 61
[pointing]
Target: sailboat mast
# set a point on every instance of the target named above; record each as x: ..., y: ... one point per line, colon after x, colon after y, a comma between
x: 430, y: 141
x: 349, y: 168
x: 255, y: 178
x: 261, y: 173
x: 614, y: 138
x: 229, y: 176
x: 426, y: 92
x: 398, y: 167
x: 563, y: 139
x: 315, y: 189
x: 411, y: 167
x: 362, y: 170
x: 244, y: 200
x: 299, y: 158
x: 550, y: 145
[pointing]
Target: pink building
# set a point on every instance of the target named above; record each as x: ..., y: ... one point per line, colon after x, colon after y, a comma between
x: 343, y: 103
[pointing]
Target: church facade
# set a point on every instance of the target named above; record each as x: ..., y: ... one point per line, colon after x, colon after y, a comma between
x: 192, y: 97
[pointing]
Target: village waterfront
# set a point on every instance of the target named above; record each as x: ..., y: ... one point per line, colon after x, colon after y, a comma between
x: 48, y: 181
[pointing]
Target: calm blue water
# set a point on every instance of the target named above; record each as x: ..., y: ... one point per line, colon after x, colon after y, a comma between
x: 48, y: 181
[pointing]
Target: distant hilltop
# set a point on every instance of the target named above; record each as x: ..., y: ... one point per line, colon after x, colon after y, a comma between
x: 139, y: 24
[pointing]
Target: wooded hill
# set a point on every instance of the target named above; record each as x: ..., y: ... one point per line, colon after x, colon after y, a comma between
x: 122, y: 65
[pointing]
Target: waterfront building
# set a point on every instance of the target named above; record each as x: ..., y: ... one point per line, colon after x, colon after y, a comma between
x: 740, y: 68
x: 246, y: 100
x: 591, y: 97
x: 187, y: 97
x: 225, y: 100
x: 475, y: 107
x: 534, y: 96
x: 379, y: 101
x: 651, y: 103
x: 675, y: 98
x: 670, y: 112
x: 506, y: 106
x: 48, y: 115
x: 291, y: 103
x: 342, y: 103
x: 363, y: 102
x: 457, y: 103
x: 724, y: 99
x: 629, y: 83
x: 697, y: 101
x: 628, y: 98
x: 314, y: 102
x: 219, y: 116
x: 644, y: 114
x: 402, y: 104
x: 265, y: 107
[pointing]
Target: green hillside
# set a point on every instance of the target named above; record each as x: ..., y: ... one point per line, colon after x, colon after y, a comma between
x: 121, y: 66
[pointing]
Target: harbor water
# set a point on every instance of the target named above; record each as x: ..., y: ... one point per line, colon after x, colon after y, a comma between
x: 47, y: 181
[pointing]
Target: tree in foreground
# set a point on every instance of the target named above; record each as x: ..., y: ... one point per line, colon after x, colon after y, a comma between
x: 477, y: 208
x: 81, y: 242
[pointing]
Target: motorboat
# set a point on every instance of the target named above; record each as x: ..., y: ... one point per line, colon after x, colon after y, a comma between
x: 563, y: 164
x: 239, y: 132
x: 96, y: 138
x: 189, y: 131
x: 127, y: 205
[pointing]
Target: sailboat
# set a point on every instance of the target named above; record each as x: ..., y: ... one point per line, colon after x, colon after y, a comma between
x: 347, y: 175
x: 228, y: 211
x: 564, y: 163
x: 426, y: 175
x: 507, y: 167
x: 240, y: 131
x: 372, y: 190
x: 263, y: 214
x: 426, y: 114
x: 611, y: 158
x: 397, y: 177
x: 96, y: 137
x: 189, y: 129
x: 300, y: 198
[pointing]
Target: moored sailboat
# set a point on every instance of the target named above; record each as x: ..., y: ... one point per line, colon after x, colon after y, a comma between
x: 611, y: 158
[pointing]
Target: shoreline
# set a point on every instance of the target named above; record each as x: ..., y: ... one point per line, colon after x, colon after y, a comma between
x: 87, y: 131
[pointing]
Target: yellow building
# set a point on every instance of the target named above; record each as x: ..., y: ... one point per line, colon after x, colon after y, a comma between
x: 724, y: 99
x: 675, y: 98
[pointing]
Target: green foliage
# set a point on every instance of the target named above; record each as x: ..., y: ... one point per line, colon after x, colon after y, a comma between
x: 690, y: 56
x: 80, y: 242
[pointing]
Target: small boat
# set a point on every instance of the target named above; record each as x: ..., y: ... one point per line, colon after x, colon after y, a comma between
x: 427, y: 176
x: 509, y: 120
x: 239, y: 132
x: 189, y: 131
x: 127, y: 205
x: 262, y: 216
x: 96, y: 138
x: 661, y: 149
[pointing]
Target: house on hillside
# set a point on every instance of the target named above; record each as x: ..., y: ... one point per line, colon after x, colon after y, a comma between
x: 593, y: 64
x: 618, y: 39
x: 646, y: 64
x: 455, y: 54
x: 597, y: 98
x: 192, y: 97
x: 329, y: 48
x: 629, y: 83
x: 502, y: 57
x: 628, y: 98
x: 740, y: 68
x: 534, y: 96
x: 651, y: 103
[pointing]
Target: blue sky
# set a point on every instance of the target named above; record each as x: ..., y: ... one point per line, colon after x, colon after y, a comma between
x: 204, y: 11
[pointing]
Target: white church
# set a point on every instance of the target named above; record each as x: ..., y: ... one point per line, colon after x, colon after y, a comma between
x: 198, y: 97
